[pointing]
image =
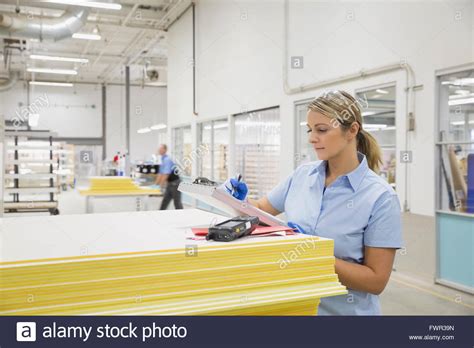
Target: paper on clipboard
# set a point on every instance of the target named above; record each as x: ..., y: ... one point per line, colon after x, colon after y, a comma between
x: 219, y: 199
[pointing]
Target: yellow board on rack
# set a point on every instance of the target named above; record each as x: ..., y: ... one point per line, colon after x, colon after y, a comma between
x: 112, y: 185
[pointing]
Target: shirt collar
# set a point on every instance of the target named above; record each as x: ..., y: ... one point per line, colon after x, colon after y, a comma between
x: 355, y: 177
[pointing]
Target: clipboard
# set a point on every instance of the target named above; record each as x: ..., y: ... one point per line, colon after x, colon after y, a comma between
x: 217, y: 197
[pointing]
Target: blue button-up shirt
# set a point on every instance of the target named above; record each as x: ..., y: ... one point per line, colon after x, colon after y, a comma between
x: 167, y: 165
x: 357, y: 210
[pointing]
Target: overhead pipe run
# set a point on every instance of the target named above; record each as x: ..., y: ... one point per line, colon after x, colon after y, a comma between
x: 55, y: 29
x: 11, y: 82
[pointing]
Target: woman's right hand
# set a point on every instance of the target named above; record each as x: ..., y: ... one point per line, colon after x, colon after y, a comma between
x: 237, y: 188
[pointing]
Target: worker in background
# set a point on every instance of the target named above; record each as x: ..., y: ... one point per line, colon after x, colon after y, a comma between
x: 169, y: 180
x: 341, y: 197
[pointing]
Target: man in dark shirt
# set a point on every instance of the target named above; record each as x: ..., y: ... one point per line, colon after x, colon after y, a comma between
x: 168, y: 177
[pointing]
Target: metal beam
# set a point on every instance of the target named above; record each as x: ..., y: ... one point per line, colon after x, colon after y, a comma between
x: 127, y: 110
x: 73, y: 140
x: 104, y: 121
x: 108, y: 83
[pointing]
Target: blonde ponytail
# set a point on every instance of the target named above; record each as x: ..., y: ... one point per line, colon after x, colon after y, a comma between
x: 367, y: 145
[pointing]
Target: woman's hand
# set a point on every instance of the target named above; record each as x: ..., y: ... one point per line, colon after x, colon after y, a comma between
x: 239, y: 190
x: 236, y: 188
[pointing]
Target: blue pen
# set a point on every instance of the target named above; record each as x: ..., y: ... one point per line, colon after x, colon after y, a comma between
x: 296, y: 227
x: 239, y: 177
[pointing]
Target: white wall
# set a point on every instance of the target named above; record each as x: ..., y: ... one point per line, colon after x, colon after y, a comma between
x: 77, y: 112
x: 180, y: 98
x: 240, y: 52
x: 147, y: 107
x: 70, y: 112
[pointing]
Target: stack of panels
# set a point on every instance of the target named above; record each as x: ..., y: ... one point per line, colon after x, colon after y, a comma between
x: 266, y: 276
x: 113, y: 186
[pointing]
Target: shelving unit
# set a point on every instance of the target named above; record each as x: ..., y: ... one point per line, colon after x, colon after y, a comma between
x: 30, y: 173
x: 65, y: 170
x: 260, y: 167
x: 257, y: 149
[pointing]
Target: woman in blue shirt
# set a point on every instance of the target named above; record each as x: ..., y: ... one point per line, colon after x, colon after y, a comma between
x: 341, y: 197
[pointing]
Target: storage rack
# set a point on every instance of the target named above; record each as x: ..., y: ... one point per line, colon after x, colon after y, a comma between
x: 44, y: 182
x: 66, y: 166
x: 260, y: 167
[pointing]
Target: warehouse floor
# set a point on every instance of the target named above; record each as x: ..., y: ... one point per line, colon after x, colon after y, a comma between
x: 411, y: 290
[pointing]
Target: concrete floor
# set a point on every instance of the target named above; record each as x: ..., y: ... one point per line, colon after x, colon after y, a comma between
x: 411, y: 289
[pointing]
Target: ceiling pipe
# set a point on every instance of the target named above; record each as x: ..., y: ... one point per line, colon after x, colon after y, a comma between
x: 11, y: 82
x: 53, y: 29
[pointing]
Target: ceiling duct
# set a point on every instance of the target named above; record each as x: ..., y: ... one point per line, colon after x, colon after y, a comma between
x: 10, y: 82
x: 53, y: 29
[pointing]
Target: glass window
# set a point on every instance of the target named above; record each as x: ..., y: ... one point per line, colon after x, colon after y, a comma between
x: 214, y: 136
x: 304, y: 152
x: 456, y: 142
x: 205, y: 161
x: 378, y: 113
x: 257, y: 149
x: 456, y: 121
x: 182, y: 148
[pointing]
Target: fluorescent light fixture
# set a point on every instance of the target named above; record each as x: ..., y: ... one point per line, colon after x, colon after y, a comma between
x: 460, y: 96
x: 93, y: 4
x: 156, y: 84
x: 219, y: 126
x: 381, y: 91
x: 467, y: 81
x: 144, y: 130
x: 374, y: 126
x: 303, y: 123
x: 158, y: 126
x: 53, y: 71
x: 85, y: 36
x: 376, y: 96
x: 48, y: 83
x: 463, y: 92
x: 33, y: 120
x: 461, y: 101
x: 59, y: 59
x: 460, y: 123
x: 460, y: 82
x: 368, y: 113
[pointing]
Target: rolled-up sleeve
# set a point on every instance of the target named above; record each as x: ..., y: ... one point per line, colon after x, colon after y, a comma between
x: 277, y: 196
x: 384, y: 229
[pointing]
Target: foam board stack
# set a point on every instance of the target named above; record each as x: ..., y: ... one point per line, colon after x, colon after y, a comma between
x: 156, y: 271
